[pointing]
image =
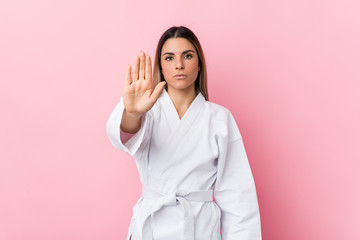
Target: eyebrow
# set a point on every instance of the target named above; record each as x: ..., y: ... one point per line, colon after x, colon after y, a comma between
x: 170, y: 53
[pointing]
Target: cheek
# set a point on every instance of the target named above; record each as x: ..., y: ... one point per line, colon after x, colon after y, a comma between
x: 168, y: 69
x: 193, y: 64
x: 194, y: 67
x: 165, y: 70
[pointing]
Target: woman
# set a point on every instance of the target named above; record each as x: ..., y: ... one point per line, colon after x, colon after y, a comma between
x: 188, y: 151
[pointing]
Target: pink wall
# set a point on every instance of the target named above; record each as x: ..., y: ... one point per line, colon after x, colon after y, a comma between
x: 287, y: 70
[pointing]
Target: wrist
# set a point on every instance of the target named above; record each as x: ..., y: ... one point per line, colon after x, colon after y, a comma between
x: 134, y: 115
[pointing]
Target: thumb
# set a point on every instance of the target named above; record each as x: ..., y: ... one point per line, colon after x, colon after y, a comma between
x: 157, y: 91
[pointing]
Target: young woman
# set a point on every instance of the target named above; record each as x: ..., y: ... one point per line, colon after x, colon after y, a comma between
x: 188, y: 150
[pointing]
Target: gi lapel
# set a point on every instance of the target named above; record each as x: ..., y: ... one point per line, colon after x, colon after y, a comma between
x: 169, y: 109
x: 181, y: 126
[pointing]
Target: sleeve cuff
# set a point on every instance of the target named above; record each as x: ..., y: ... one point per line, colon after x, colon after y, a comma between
x: 125, y: 136
x: 133, y: 141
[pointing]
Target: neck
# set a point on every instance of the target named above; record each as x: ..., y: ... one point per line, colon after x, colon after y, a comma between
x: 183, y: 98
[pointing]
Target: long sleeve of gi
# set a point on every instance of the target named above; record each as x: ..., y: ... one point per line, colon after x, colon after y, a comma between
x: 131, y: 143
x: 234, y: 190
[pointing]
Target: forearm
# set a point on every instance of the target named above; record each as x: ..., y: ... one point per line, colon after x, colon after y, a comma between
x: 130, y: 123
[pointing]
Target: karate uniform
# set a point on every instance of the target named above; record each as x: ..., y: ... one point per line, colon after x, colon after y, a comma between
x: 184, y: 164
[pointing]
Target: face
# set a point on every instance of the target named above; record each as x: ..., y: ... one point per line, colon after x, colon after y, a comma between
x: 178, y: 56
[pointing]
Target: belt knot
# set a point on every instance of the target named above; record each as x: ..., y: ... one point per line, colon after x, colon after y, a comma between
x: 172, y: 198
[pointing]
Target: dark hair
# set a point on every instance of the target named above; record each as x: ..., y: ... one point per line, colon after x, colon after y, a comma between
x: 182, y: 32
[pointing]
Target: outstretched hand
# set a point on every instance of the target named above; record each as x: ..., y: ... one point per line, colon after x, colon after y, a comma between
x: 139, y: 95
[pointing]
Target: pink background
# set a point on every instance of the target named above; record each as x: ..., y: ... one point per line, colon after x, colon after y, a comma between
x: 287, y: 70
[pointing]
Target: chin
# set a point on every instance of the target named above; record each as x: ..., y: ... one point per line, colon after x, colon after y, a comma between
x: 180, y: 86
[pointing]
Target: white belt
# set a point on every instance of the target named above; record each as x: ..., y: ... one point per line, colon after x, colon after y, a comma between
x: 172, y: 199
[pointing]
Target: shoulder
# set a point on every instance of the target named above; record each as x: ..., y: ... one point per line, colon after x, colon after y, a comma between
x: 217, y: 111
x: 224, y: 121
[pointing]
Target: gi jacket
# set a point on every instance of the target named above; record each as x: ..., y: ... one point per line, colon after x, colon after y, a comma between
x: 185, y: 164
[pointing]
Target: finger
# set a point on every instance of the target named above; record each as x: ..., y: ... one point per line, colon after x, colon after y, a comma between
x: 157, y: 91
x: 148, y: 75
x: 136, y: 68
x: 128, y: 75
x: 142, y: 65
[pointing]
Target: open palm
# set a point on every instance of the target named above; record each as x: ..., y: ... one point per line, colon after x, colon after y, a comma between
x: 139, y: 95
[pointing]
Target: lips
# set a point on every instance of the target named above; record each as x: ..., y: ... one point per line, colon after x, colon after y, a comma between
x: 180, y: 76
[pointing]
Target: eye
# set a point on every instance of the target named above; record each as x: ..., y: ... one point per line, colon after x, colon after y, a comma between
x: 188, y: 56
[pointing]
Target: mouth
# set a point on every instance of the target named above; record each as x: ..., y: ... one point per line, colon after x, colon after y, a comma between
x: 180, y: 76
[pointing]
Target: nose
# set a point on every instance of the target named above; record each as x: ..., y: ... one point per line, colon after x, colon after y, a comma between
x: 179, y: 64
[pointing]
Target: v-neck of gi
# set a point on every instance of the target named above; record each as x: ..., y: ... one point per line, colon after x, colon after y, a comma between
x: 176, y: 128
x: 171, y: 109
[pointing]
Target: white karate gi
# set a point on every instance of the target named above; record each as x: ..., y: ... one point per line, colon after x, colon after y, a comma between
x: 179, y: 162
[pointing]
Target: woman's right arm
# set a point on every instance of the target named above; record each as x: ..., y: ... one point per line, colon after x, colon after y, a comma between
x: 130, y: 143
x: 128, y: 123
x: 139, y: 95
